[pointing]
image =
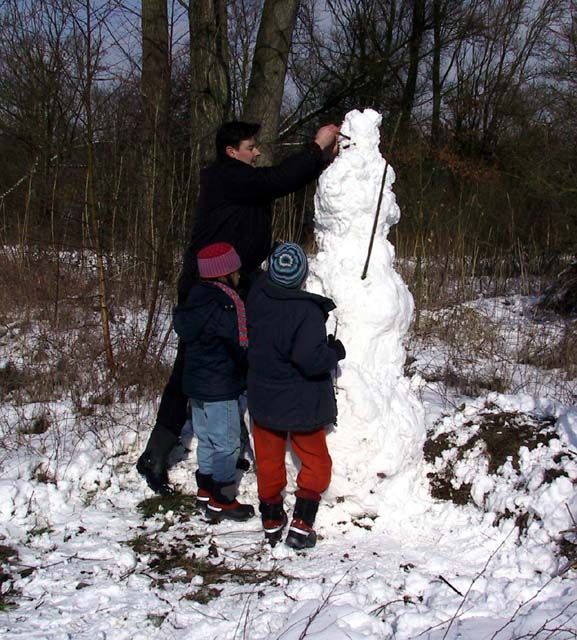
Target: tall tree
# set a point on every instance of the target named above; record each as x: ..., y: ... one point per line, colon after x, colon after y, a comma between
x: 155, y: 87
x: 436, y: 86
x: 494, y: 65
x: 454, y: 23
x: 361, y: 61
x: 418, y: 26
x: 244, y: 17
x: 266, y: 87
x: 88, y: 26
x: 210, y: 85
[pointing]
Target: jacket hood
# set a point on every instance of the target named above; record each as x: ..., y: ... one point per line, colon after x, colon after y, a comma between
x: 277, y: 292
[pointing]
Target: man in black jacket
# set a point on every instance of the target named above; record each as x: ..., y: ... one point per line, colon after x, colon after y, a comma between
x: 235, y: 206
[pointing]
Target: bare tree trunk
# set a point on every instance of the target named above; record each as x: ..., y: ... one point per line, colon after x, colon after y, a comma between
x: 91, y: 64
x: 210, y: 85
x: 409, y: 91
x: 155, y: 86
x: 266, y: 86
x: 436, y: 73
x: 243, y: 23
x: 102, y: 285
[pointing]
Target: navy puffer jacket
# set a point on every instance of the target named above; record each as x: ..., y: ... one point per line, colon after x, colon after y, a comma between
x: 289, y: 381
x: 214, y: 361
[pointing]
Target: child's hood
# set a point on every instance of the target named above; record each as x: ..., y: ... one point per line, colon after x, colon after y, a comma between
x: 272, y: 290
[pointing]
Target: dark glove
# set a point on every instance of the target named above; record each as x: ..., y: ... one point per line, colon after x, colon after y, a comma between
x: 337, y: 346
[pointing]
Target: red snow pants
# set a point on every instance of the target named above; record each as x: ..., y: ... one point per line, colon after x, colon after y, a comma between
x: 310, y: 448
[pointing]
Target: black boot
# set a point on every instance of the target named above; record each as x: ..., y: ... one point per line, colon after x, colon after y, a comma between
x: 274, y: 520
x: 242, y: 464
x: 204, y: 484
x: 301, y: 534
x: 223, y: 504
x: 153, y: 463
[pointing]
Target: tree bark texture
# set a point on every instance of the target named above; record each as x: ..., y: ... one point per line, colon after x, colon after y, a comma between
x: 436, y: 74
x: 210, y: 82
x: 155, y: 88
x: 266, y: 86
x: 410, y: 88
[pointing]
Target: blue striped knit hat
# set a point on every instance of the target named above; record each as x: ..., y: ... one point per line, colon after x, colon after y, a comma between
x: 288, y: 265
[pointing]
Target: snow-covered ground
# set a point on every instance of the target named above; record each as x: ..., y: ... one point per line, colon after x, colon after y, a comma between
x: 465, y: 532
x: 82, y: 560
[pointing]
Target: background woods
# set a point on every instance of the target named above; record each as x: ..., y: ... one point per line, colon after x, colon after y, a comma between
x: 108, y: 111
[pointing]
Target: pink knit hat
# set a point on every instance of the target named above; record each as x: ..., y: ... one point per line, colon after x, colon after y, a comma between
x: 218, y: 259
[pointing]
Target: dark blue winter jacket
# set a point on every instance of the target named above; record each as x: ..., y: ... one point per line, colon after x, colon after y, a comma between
x: 289, y: 381
x: 214, y: 361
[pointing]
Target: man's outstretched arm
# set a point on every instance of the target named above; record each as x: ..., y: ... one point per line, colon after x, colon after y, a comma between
x: 246, y: 183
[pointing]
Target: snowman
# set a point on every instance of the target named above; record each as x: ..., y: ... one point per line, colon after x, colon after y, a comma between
x: 380, y: 430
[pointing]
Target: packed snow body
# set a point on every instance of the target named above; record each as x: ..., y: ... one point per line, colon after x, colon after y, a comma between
x: 381, y: 430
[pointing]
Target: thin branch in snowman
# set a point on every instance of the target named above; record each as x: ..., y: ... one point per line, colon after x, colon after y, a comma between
x: 378, y: 211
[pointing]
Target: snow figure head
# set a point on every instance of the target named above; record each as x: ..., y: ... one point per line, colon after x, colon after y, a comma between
x: 361, y: 134
x: 381, y: 427
x: 353, y: 180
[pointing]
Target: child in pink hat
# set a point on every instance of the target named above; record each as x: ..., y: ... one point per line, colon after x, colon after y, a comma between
x: 212, y: 324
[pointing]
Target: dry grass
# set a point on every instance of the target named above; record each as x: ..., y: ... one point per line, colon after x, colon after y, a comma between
x: 464, y: 330
x: 465, y: 337
x: 56, y: 389
x: 559, y: 353
x: 50, y: 318
x: 474, y: 348
x: 169, y: 560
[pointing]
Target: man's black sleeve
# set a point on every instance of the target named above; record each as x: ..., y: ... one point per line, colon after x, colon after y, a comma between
x: 246, y: 183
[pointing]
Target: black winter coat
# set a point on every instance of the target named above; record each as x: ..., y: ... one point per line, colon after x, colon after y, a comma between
x: 234, y: 206
x: 214, y: 362
x: 289, y: 381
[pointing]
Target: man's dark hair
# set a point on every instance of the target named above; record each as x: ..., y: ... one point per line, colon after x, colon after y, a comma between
x: 231, y: 134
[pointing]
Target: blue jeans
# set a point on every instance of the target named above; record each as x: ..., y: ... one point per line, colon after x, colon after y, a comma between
x: 217, y: 427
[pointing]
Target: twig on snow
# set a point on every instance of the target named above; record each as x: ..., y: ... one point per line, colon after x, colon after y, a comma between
x: 554, y: 632
x: 572, y: 562
x: 381, y: 608
x: 451, y: 586
x: 524, y: 603
x: 245, y: 608
x: 572, y: 518
x: 203, y: 613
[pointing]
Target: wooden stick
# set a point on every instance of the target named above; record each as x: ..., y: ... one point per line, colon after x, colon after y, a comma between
x: 451, y: 586
x: 378, y: 211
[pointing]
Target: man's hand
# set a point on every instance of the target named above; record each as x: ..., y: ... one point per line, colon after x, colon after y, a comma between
x: 327, y: 138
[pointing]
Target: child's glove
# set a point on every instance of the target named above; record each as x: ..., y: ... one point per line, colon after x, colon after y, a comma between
x: 337, y: 346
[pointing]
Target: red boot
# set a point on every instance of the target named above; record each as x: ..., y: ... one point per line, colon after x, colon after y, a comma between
x: 274, y: 520
x: 223, y: 504
x: 301, y: 534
